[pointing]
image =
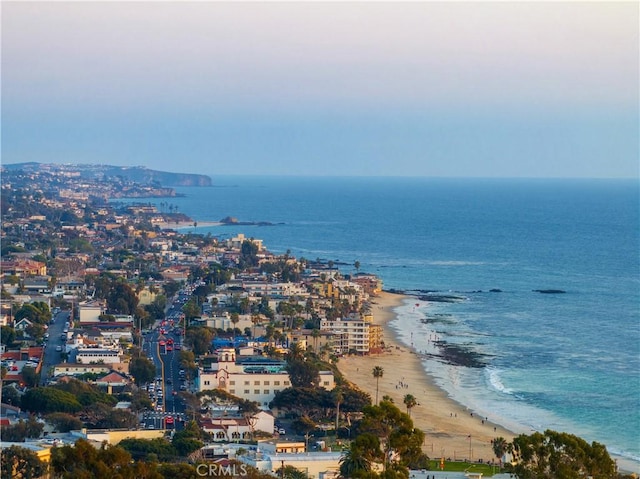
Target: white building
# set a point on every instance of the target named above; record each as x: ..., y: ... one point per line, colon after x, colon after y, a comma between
x: 354, y: 334
x: 254, y: 378
x: 98, y: 355
x: 233, y: 427
x: 271, y: 456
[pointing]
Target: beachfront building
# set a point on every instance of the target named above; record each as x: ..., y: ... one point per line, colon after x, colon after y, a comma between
x: 353, y: 333
x: 255, y: 378
x: 370, y: 283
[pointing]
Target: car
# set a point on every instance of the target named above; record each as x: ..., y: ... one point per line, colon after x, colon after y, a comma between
x: 58, y: 348
x: 183, y: 387
x: 159, y: 407
x: 281, y: 431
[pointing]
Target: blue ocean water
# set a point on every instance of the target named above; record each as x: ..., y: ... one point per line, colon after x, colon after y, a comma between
x: 562, y: 361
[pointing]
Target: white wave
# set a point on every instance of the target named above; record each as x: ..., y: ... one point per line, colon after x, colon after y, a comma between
x: 496, y: 382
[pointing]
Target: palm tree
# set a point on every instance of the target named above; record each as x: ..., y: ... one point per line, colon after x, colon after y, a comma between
x: 315, y: 334
x: 377, y: 373
x: 500, y: 447
x: 338, y: 397
x: 354, y: 461
x: 410, y: 401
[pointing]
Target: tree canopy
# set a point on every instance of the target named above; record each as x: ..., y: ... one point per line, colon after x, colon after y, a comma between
x: 48, y: 399
x: 554, y: 454
x: 19, y: 462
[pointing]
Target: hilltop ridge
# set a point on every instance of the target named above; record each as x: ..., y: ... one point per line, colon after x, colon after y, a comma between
x: 138, y: 174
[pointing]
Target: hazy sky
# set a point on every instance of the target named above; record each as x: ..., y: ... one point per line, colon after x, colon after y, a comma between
x: 504, y: 89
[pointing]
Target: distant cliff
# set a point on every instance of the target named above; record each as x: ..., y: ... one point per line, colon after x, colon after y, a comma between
x: 137, y: 174
x: 143, y: 175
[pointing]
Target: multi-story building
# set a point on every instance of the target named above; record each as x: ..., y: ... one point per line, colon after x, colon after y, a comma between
x: 354, y: 333
x: 255, y: 378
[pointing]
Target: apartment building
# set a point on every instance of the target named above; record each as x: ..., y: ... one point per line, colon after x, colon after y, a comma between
x: 353, y: 334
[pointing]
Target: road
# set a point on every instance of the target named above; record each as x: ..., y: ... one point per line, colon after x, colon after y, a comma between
x: 167, y: 379
x: 51, y: 355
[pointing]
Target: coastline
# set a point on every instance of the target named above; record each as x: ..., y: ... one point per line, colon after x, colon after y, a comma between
x: 451, y: 430
x: 187, y: 224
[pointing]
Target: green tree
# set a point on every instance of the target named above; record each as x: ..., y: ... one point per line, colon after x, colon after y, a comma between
x: 7, y: 335
x: 20, y: 463
x: 36, y: 312
x: 500, y: 447
x: 248, y: 254
x: 304, y: 425
x: 303, y: 401
x: 355, y: 463
x: 18, y: 432
x: 86, y: 394
x: 121, y: 298
x: 303, y: 373
x: 199, y: 339
x: 191, y: 310
x: 410, y: 401
x: 377, y: 372
x: 338, y: 397
x: 64, y: 422
x: 354, y: 399
x: 48, y: 399
x: 10, y: 395
x: 142, y: 370
x: 552, y: 454
x: 30, y: 376
x: 82, y: 460
x: 397, y: 434
x: 290, y: 472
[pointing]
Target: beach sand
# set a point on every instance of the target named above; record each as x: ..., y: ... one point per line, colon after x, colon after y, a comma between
x: 451, y: 430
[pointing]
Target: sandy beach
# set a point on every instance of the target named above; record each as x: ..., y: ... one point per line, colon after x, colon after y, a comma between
x: 451, y: 430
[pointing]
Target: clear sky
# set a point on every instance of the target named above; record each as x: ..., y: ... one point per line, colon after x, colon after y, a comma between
x: 474, y: 89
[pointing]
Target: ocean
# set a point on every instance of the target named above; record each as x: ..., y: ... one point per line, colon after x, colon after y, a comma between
x: 565, y: 361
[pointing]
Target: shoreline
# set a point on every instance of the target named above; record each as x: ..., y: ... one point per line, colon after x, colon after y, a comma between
x: 187, y: 224
x: 451, y: 430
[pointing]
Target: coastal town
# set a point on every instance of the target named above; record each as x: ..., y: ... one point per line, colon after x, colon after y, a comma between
x: 131, y: 343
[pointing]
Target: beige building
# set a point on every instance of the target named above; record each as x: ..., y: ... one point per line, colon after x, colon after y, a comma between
x: 354, y: 333
x: 90, y: 311
x: 254, y: 378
